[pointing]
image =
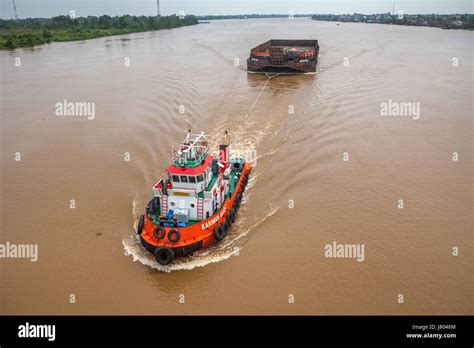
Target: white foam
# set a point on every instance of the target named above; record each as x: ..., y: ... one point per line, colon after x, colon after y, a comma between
x: 134, y: 206
x: 266, y: 154
x: 217, y: 253
x: 273, y: 210
x: 133, y: 247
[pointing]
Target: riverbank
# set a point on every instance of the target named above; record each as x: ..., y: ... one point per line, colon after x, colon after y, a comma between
x: 443, y: 21
x: 454, y: 21
x: 252, y: 16
x: 37, y: 31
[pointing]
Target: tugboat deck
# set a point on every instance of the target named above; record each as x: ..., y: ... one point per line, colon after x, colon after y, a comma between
x: 233, y: 174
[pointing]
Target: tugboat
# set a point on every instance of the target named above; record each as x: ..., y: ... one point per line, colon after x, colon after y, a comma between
x: 195, y: 201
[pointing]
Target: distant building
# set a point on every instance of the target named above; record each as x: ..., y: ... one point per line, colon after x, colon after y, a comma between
x: 433, y: 20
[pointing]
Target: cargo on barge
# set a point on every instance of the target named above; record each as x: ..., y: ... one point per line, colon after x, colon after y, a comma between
x: 284, y: 56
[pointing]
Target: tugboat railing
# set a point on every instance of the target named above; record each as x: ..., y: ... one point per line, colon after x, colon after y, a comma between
x: 180, y: 160
x: 191, y: 152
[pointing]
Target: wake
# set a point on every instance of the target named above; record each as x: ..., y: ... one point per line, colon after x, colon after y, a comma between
x: 228, y: 247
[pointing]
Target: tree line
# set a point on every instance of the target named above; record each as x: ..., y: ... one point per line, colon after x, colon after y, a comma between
x: 454, y: 21
x: 36, y: 31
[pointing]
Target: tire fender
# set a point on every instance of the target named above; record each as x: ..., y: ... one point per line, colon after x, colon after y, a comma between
x: 141, y: 224
x: 218, y: 233
x: 159, y: 232
x: 174, y: 236
x: 164, y: 255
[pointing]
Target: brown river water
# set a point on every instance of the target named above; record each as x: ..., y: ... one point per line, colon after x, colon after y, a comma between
x: 332, y: 171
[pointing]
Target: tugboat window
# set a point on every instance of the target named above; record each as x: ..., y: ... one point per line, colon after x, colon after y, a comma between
x: 184, y: 178
x: 192, y: 179
x: 175, y: 178
x: 200, y: 178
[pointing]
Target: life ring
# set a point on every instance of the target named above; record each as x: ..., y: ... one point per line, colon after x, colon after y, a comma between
x: 174, y: 236
x: 141, y: 224
x: 159, y: 232
x: 218, y: 233
x: 164, y: 255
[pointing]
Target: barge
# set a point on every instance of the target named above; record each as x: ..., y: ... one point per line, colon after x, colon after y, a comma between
x: 195, y: 201
x: 284, y: 56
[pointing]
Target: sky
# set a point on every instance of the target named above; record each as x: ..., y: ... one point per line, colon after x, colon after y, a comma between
x: 50, y: 8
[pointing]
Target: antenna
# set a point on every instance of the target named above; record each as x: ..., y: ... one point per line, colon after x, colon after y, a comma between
x: 158, y: 12
x: 14, y: 10
x: 226, y: 139
x: 393, y: 8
